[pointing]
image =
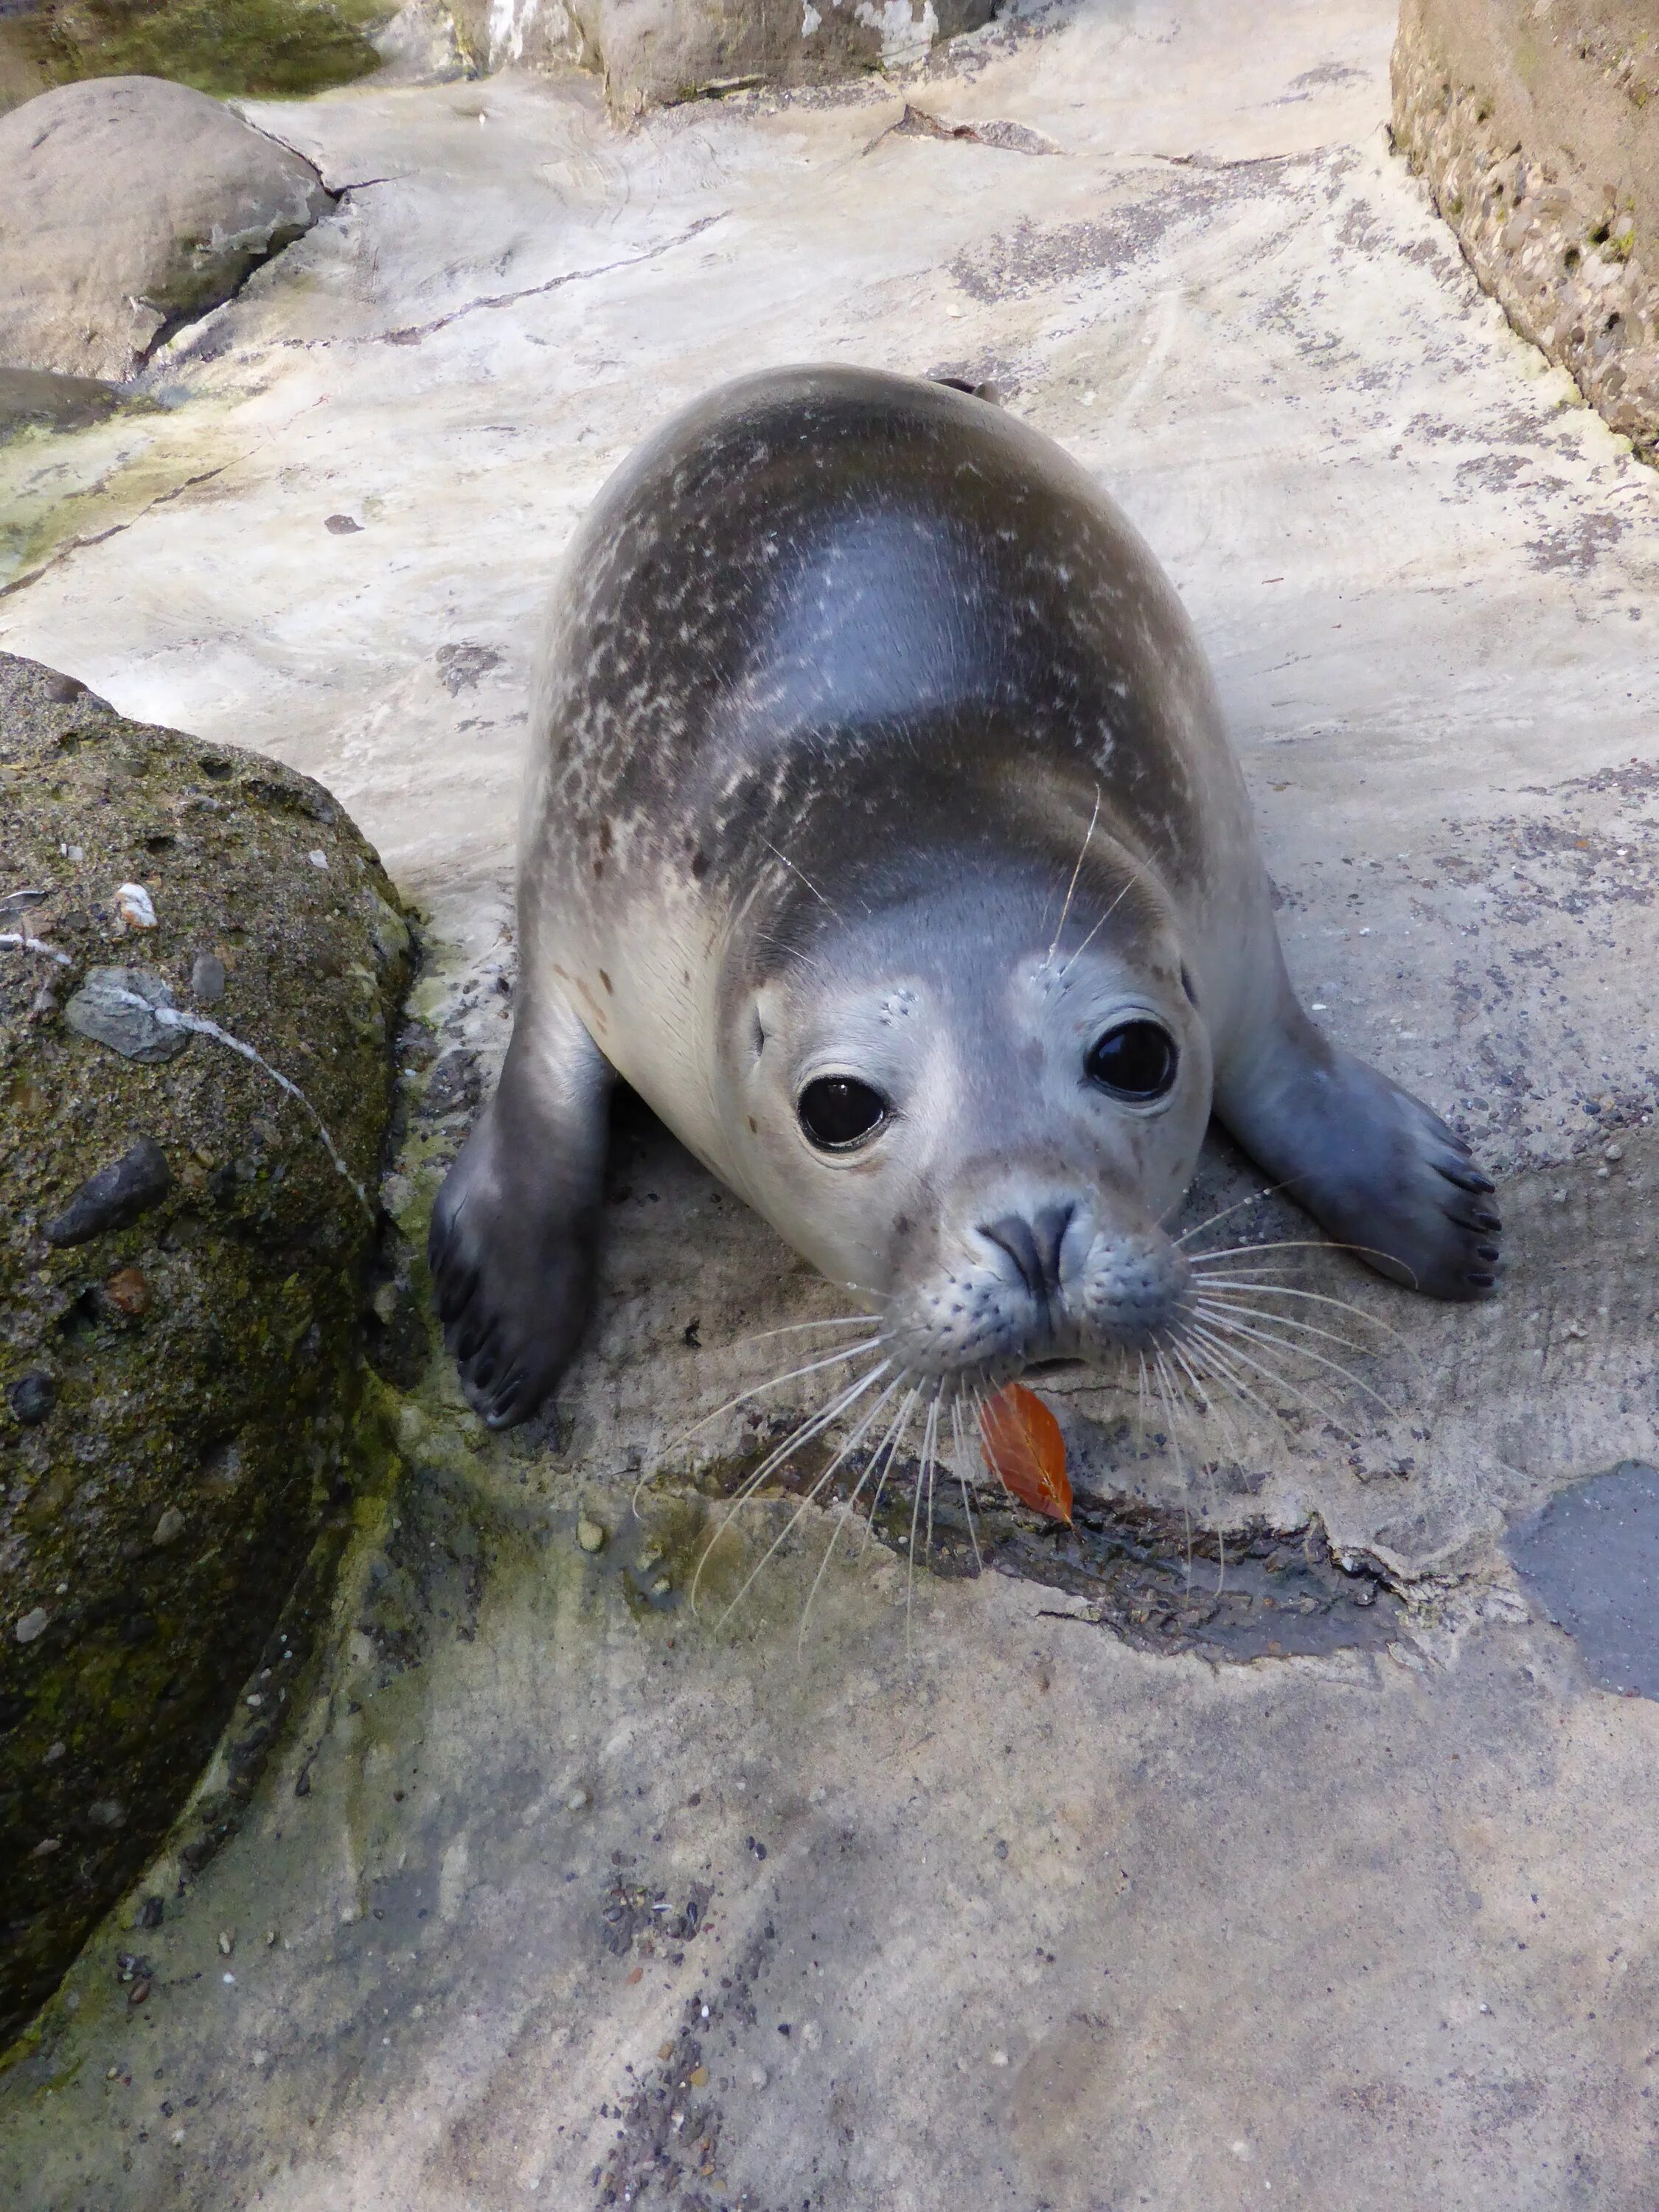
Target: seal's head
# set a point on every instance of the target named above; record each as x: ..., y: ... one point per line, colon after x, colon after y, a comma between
x: 978, y: 1118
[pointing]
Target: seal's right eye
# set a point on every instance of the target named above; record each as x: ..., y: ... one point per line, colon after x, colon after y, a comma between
x: 1136, y: 1060
x: 836, y: 1111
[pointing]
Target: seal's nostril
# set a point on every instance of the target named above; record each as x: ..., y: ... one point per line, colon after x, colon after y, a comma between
x: 1033, y: 1246
x: 1048, y: 1229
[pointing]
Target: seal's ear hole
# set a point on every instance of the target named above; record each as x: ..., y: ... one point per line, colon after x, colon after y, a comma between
x: 838, y: 1111
x: 758, y: 1039
x: 1137, y: 1061
x: 1186, y: 984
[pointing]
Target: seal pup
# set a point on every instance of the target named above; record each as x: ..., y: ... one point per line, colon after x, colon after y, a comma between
x: 882, y: 831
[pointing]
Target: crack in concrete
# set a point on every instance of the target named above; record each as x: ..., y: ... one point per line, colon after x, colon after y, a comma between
x: 413, y: 333
x: 100, y: 537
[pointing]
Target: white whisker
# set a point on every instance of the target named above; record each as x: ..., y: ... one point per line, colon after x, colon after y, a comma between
x: 1270, y: 1375
x: 1083, y: 854
x: 1250, y: 1198
x: 829, y: 1549
x: 813, y: 1367
x: 811, y: 1498
x: 1231, y: 1327
x: 962, y: 1479
x: 1210, y: 1303
x: 803, y: 1434
x: 890, y: 1445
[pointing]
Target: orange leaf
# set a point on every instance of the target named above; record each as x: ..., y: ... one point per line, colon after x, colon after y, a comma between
x: 1023, y: 1446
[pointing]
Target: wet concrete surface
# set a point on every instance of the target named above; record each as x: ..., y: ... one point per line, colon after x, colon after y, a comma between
x: 1590, y: 1556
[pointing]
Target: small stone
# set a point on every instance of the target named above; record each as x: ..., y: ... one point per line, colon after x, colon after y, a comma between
x: 229, y: 1980
x: 31, y: 1398
x: 54, y: 1752
x: 176, y: 2137
x: 270, y: 1938
x: 998, y: 2058
x: 112, y: 2074
x: 758, y: 2077
x: 318, y: 860
x: 127, y: 1292
x: 1614, y: 1152
x: 661, y: 1587
x: 149, y: 1913
x: 226, y: 1941
x: 116, y: 1195
x: 45, y: 1847
x: 589, y: 1535
x: 169, y: 1529
x: 107, y: 1812
x: 139, y: 1991
x: 698, y: 2077
x: 207, y: 979
x: 577, y: 1801
x: 253, y: 1700
x: 134, y: 908
x: 1557, y: 1198
x: 118, y: 1006
x: 32, y: 1626
x: 340, y: 526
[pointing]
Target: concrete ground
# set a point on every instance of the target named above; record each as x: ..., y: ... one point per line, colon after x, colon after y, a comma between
x: 1034, y: 1889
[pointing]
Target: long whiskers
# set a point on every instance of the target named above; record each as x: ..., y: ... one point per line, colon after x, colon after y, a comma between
x: 810, y: 1498
x: 1070, y: 888
x: 804, y: 1433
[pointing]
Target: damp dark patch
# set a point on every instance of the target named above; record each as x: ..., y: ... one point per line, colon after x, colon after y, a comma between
x: 1591, y: 1555
x: 1159, y: 1582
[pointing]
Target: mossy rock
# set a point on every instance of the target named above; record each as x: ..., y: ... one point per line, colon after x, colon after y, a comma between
x: 182, y: 1252
x: 261, y: 49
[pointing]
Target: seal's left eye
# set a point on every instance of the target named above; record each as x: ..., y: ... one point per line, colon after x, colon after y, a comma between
x: 836, y: 1110
x: 1135, y: 1060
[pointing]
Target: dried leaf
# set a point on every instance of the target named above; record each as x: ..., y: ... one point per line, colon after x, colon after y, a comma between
x: 1023, y: 1446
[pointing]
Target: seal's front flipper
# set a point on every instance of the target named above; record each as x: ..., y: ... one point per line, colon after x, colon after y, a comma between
x: 515, y: 1230
x: 1371, y: 1164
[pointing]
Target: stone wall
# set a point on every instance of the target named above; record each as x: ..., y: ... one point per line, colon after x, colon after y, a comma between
x: 1535, y: 124
x: 654, y: 52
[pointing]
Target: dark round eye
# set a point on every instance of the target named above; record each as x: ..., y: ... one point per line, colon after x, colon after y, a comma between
x: 1137, y: 1060
x: 836, y: 1110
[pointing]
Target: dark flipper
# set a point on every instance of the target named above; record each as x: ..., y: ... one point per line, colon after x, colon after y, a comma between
x: 1373, y: 1165
x: 514, y: 1235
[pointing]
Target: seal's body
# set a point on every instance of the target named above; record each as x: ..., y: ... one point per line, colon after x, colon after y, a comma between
x: 883, y: 833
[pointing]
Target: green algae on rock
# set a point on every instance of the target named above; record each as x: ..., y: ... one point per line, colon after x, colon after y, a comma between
x: 262, y: 49
x: 182, y: 1259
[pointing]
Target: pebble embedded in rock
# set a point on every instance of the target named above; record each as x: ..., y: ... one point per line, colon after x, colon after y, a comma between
x: 104, y: 1010
x: 31, y: 1398
x: 135, y: 906
x: 127, y: 1293
x: 207, y: 979
x: 116, y: 1195
x: 589, y: 1535
x: 577, y: 1801
x: 32, y: 1626
x: 169, y: 1529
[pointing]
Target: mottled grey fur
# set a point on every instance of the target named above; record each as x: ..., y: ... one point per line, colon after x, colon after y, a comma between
x: 871, y: 740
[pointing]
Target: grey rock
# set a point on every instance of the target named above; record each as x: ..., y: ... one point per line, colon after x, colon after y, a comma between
x: 33, y: 399
x: 127, y: 207
x: 202, y: 1406
x: 653, y: 53
x: 106, y: 1010
x: 1536, y: 139
x: 207, y: 979
x: 31, y: 1398
x: 115, y: 1196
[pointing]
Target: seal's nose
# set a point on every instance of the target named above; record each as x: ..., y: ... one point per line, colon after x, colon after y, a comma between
x: 1034, y: 1246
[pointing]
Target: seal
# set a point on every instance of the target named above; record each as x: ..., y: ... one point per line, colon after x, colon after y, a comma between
x: 882, y: 831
